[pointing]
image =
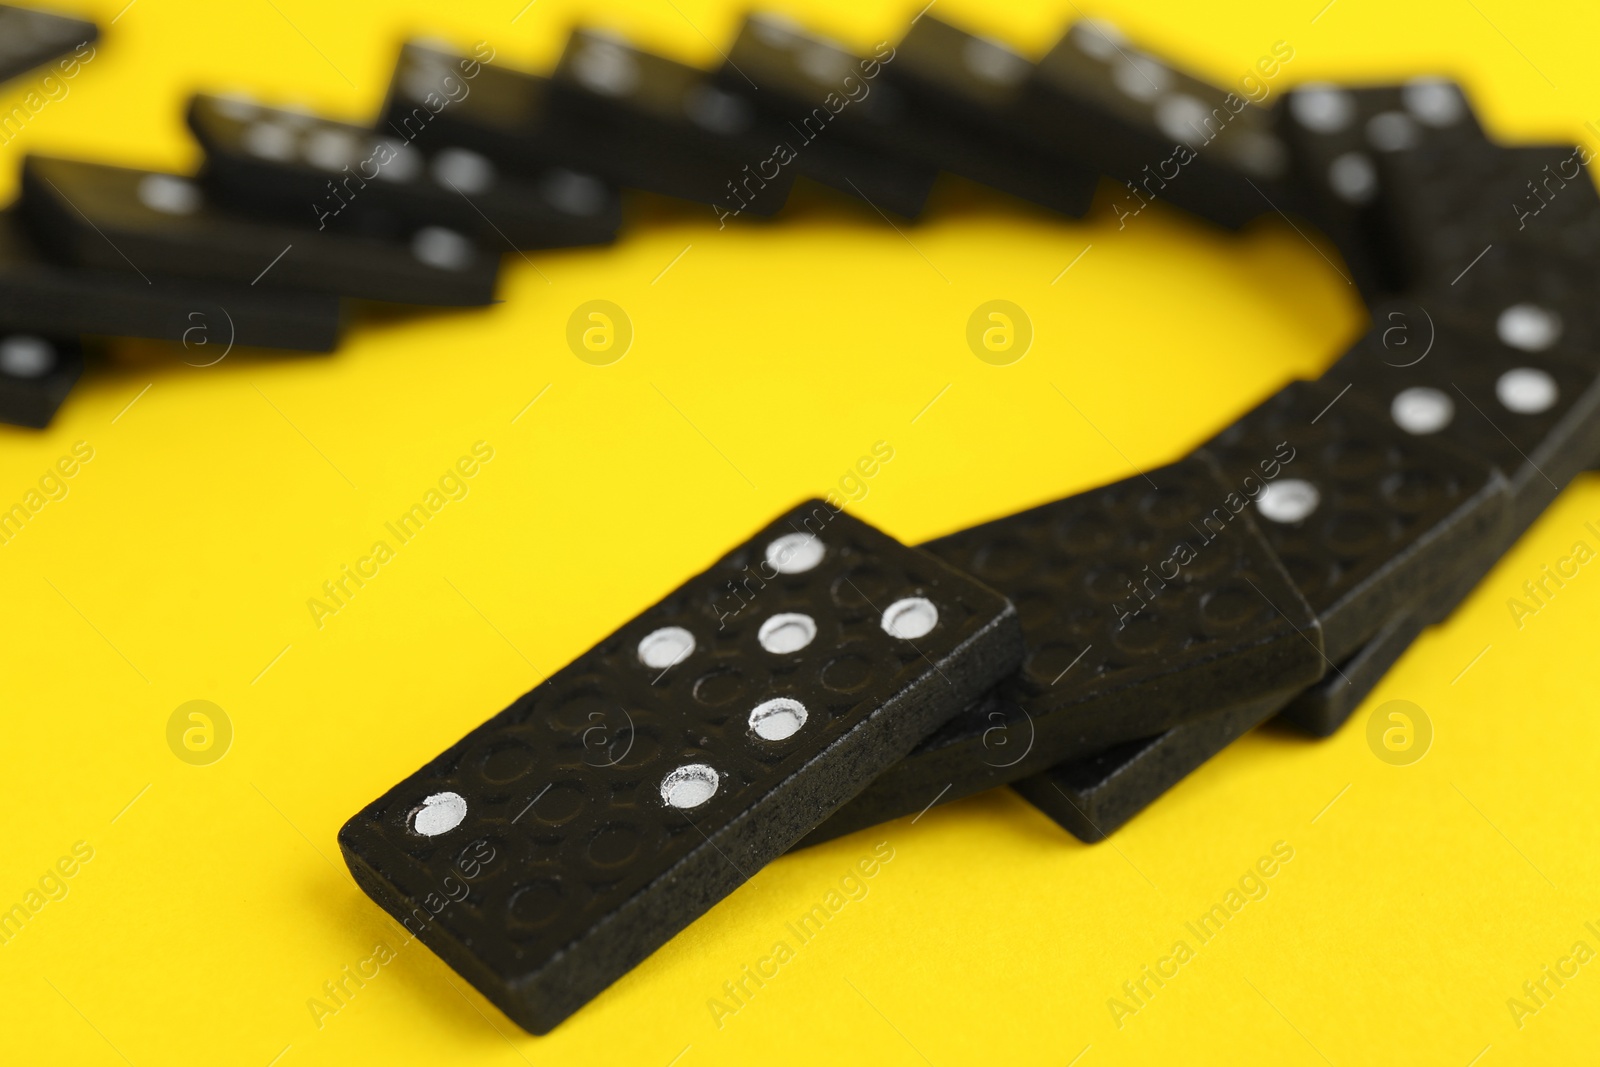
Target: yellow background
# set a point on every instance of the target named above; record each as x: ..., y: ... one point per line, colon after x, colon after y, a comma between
x: 766, y: 360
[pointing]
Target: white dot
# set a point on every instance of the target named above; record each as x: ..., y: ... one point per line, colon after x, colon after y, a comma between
x: 26, y: 356
x: 1290, y: 500
x: 778, y: 719
x: 1259, y: 153
x: 467, y: 171
x: 794, y: 553
x: 169, y: 195
x: 992, y: 61
x: 1353, y: 178
x: 331, y: 148
x: 1322, y: 108
x: 439, y: 813
x: 401, y: 163
x: 1529, y: 327
x: 774, y: 30
x: 297, y: 115
x: 1422, y: 410
x: 271, y: 140
x: 240, y: 107
x: 789, y: 632
x: 442, y: 248
x: 606, y: 67
x: 1097, y: 38
x: 689, y: 786
x: 1182, y: 117
x: 720, y: 112
x: 575, y: 194
x: 1434, y: 101
x: 825, y: 64
x: 434, y: 49
x: 1391, y: 131
x: 1141, y: 77
x: 910, y: 618
x: 1527, y: 391
x: 427, y: 76
x: 665, y: 647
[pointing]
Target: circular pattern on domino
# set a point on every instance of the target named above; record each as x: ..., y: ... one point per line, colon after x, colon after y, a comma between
x: 597, y: 779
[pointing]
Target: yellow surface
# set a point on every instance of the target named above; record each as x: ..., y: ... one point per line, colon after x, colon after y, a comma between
x: 766, y: 361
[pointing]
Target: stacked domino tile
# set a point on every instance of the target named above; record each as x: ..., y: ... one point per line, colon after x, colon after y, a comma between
x: 1278, y: 571
x: 1089, y: 652
x: 36, y: 373
x: 292, y: 212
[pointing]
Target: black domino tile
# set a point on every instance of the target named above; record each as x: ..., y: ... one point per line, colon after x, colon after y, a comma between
x: 1505, y: 240
x: 1531, y: 296
x: 1367, y: 518
x: 30, y: 38
x: 442, y: 97
x: 1453, y: 212
x: 649, y: 122
x: 1556, y: 202
x: 841, y: 121
x: 1323, y: 708
x: 1535, y: 415
x: 1093, y: 797
x: 836, y: 113
x: 291, y: 167
x: 154, y: 224
x: 1101, y: 669
x: 569, y: 785
x: 42, y: 297
x: 36, y: 374
x: 1166, y: 134
x: 1441, y: 604
x: 1562, y: 435
x: 965, y: 91
x: 1339, y: 139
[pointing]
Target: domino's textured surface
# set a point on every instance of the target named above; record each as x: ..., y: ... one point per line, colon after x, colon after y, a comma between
x: 117, y: 218
x: 1530, y: 296
x: 965, y: 92
x: 652, y: 123
x: 1321, y: 709
x: 1145, y: 603
x: 1342, y: 139
x: 526, y: 551
x: 1092, y: 798
x: 41, y: 296
x: 291, y: 167
x: 1164, y: 132
x: 441, y: 97
x: 1534, y: 415
x: 836, y: 120
x: 1449, y: 206
x: 1369, y: 518
x: 572, y: 783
